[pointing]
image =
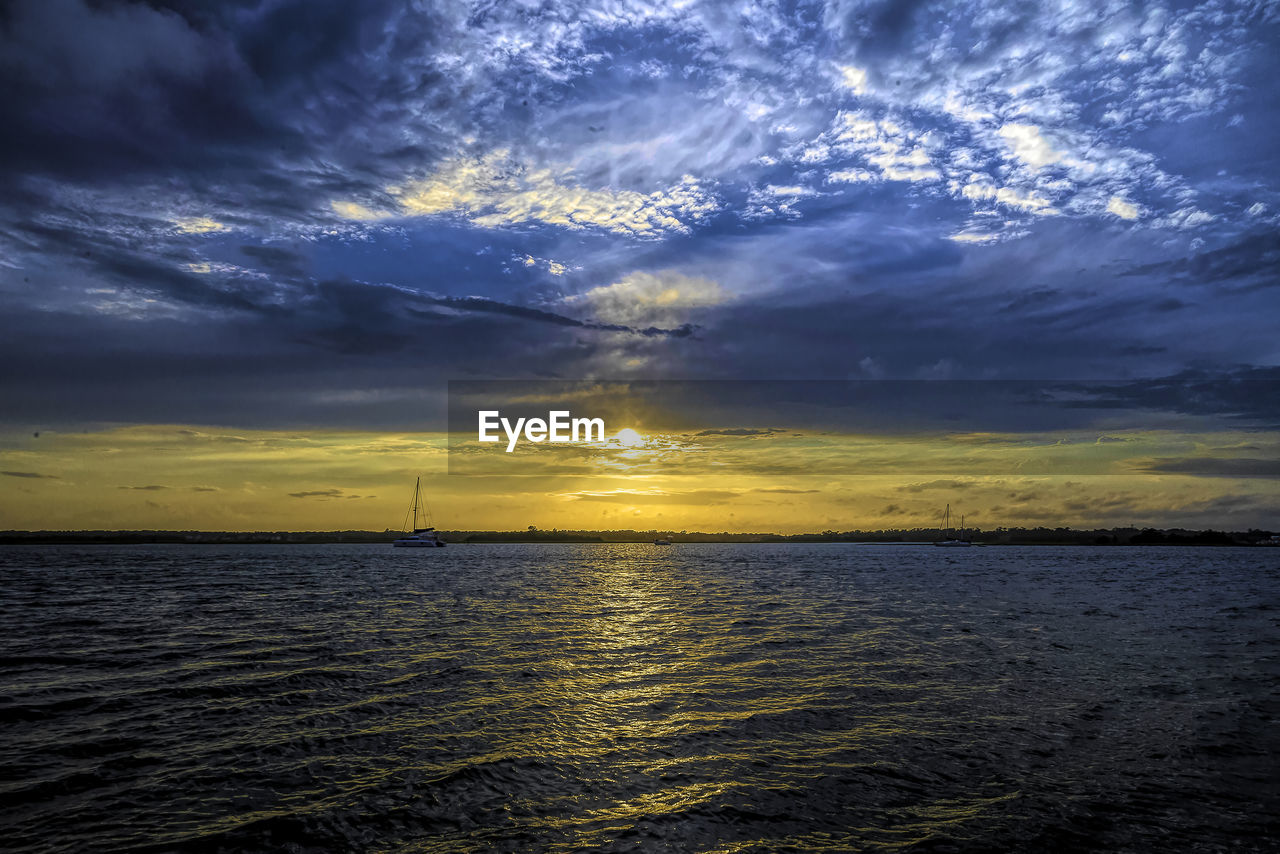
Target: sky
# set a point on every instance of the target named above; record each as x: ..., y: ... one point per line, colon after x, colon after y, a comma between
x: 245, y: 246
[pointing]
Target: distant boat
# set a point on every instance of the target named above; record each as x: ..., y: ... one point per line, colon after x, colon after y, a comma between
x: 421, y: 538
x: 662, y: 542
x: 950, y: 540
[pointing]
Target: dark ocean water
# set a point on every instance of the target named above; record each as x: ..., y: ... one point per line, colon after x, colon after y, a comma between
x: 713, y: 698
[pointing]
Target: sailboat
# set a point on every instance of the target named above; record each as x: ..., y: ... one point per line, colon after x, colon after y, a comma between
x: 422, y: 538
x: 949, y: 539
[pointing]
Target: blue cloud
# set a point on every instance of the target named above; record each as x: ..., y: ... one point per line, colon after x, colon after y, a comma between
x: 869, y: 188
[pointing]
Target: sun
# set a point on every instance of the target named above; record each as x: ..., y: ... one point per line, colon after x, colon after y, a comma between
x: 629, y: 438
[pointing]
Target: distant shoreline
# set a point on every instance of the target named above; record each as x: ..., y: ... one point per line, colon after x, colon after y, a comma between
x: 997, y: 537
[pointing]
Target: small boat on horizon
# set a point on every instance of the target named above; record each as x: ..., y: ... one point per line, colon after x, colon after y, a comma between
x: 662, y: 542
x: 950, y: 540
x: 422, y: 538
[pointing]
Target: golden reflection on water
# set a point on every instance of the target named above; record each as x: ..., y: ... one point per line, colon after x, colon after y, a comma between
x: 625, y: 650
x: 672, y: 799
x: 635, y: 677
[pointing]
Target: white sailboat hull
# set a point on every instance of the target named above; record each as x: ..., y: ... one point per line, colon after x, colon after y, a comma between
x: 417, y: 544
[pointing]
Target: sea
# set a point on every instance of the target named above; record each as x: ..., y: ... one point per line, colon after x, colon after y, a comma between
x: 633, y: 697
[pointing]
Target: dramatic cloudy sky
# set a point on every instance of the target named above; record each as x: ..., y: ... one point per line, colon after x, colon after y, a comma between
x: 307, y: 216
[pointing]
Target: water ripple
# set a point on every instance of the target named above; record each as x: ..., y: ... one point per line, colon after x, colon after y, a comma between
x: 715, y: 698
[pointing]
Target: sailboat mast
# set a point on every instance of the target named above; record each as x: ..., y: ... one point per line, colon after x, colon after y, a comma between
x: 417, y: 487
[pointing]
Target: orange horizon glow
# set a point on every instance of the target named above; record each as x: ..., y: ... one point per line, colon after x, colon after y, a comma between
x: 182, y: 477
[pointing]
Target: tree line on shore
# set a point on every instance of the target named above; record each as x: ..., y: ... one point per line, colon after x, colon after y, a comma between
x: 996, y: 536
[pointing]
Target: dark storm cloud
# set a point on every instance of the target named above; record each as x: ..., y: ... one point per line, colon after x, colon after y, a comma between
x: 480, y: 304
x: 881, y: 335
x: 122, y: 118
x: 114, y: 257
x: 882, y: 28
x: 1240, y: 395
x: 321, y: 493
x: 344, y: 353
x: 353, y: 317
x: 231, y: 95
x: 1203, y: 467
x: 1253, y: 261
x: 30, y: 474
x: 281, y: 261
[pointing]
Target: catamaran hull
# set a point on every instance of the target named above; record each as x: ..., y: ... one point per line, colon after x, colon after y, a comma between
x: 417, y: 544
